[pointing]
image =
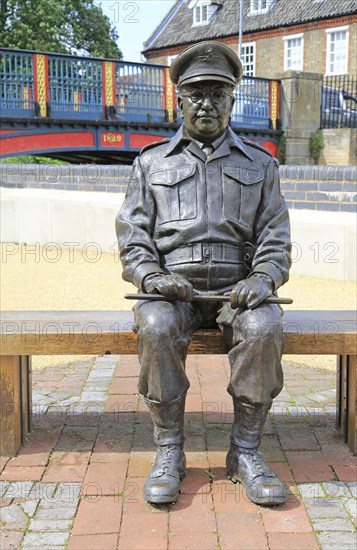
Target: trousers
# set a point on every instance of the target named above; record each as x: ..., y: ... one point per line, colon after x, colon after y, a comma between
x: 164, y: 331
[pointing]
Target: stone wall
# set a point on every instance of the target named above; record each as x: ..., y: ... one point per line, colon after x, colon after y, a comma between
x: 329, y: 187
x: 340, y: 146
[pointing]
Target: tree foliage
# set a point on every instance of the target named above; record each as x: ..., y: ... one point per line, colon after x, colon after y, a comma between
x: 58, y: 26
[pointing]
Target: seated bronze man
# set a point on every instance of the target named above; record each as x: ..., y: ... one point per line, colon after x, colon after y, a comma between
x: 194, y: 204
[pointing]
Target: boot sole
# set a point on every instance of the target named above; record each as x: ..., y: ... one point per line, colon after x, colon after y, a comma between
x: 267, y: 502
x: 162, y: 499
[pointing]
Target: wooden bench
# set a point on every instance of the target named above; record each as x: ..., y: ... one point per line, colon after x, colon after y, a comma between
x: 27, y: 333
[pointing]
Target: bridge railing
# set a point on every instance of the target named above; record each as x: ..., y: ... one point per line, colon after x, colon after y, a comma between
x: 36, y: 84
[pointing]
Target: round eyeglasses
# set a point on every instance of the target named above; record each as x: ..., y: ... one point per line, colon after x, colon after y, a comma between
x: 217, y: 96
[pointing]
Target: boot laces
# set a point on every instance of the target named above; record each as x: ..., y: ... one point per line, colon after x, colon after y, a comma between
x: 167, y: 457
x: 258, y: 463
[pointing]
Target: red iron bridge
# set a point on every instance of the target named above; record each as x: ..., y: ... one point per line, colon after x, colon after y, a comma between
x: 82, y: 109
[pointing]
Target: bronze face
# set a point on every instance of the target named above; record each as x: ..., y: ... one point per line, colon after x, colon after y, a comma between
x: 206, y: 107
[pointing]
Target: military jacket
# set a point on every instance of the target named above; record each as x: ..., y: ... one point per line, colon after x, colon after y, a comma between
x: 177, y: 197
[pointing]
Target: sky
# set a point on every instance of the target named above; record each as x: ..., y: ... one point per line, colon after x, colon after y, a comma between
x: 135, y: 21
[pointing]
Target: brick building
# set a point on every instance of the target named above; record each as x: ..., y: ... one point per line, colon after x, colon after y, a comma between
x: 317, y: 36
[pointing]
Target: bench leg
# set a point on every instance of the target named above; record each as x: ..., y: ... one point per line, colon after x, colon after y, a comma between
x: 347, y: 399
x: 15, y: 402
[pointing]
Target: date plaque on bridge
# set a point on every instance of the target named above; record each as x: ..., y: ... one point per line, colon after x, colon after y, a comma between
x: 112, y: 139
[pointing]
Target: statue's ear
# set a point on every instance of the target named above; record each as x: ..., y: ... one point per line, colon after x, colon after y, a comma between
x: 233, y: 100
x: 179, y: 102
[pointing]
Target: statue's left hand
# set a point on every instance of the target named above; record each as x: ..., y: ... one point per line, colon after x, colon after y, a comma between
x: 251, y: 292
x: 172, y: 287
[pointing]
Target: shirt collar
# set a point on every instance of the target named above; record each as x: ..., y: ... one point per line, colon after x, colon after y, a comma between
x: 230, y: 138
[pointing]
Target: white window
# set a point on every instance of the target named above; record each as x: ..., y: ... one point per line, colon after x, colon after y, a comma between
x: 337, y: 51
x: 258, y: 7
x: 294, y: 52
x: 248, y: 58
x: 202, y: 11
x: 170, y: 58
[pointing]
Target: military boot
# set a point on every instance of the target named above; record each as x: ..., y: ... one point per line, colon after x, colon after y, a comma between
x: 163, y: 483
x: 244, y: 463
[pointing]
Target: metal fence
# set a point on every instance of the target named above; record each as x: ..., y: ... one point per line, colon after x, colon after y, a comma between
x: 17, y: 82
x: 339, y: 102
x: 252, y: 102
x: 36, y: 84
x: 75, y: 87
x: 140, y: 92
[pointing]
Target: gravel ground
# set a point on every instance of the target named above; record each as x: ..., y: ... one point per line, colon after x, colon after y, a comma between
x: 61, y: 279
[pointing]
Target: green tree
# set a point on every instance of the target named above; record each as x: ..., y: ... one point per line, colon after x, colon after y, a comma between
x: 58, y: 26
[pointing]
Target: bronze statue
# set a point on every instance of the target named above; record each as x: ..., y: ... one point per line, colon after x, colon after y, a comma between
x: 197, y: 206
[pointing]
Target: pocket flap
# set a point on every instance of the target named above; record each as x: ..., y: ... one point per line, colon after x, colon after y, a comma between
x: 173, y: 176
x: 247, y: 176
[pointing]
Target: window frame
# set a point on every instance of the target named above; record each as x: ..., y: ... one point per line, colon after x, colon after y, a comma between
x: 254, y: 45
x: 259, y: 10
x: 329, y: 33
x: 199, y: 6
x: 286, y: 40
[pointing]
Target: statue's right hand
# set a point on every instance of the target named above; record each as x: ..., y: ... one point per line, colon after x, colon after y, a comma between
x: 173, y: 287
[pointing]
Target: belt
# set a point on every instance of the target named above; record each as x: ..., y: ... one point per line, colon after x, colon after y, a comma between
x: 205, y: 252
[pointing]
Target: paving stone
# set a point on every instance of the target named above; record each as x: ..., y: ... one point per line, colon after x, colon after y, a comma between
x: 241, y: 531
x: 56, y: 514
x: 301, y: 440
x: 333, y: 525
x: 351, y: 507
x: 43, y: 490
x: 344, y: 472
x: 193, y: 540
x: 325, y: 508
x: 289, y: 518
x: 46, y: 525
x: 152, y: 535
x: 23, y: 473
x: 93, y: 397
x: 29, y: 507
x: 336, y: 489
x: 352, y: 485
x: 271, y: 449
x: 309, y: 466
x: 285, y: 541
x: 59, y: 504
x: 100, y: 515
x: 311, y: 490
x: 10, y: 540
x: 333, y: 540
x: 103, y: 541
x: 13, y: 514
x: 77, y: 439
x: 67, y: 467
x: 43, y: 540
x: 3, y: 486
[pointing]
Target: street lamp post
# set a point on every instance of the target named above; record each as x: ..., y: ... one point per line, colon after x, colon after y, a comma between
x: 240, y: 29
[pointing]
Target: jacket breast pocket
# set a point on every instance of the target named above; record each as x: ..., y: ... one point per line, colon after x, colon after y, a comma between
x: 241, y: 193
x: 175, y: 194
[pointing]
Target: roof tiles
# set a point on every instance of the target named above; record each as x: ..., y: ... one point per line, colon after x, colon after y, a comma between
x: 179, y: 30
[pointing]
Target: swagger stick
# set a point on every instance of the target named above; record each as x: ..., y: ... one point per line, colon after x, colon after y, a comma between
x: 204, y: 298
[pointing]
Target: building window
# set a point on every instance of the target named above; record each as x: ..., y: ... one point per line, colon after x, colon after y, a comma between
x: 258, y: 7
x: 248, y: 58
x: 337, y: 51
x: 294, y: 52
x: 200, y: 14
x: 202, y: 11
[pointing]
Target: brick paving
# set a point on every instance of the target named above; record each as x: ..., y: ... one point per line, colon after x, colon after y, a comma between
x: 77, y: 483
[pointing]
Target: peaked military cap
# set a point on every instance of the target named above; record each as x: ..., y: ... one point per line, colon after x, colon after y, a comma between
x: 206, y: 61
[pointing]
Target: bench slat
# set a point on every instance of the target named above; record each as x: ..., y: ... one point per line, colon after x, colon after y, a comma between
x: 98, y: 332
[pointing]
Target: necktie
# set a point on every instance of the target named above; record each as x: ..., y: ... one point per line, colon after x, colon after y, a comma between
x: 207, y: 149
